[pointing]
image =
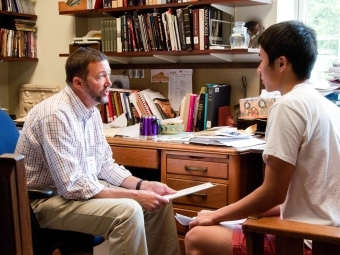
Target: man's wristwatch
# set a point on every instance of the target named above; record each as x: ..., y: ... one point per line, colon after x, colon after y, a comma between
x: 138, y: 184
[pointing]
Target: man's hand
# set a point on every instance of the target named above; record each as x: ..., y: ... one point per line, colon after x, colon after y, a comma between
x: 157, y: 187
x: 150, y: 195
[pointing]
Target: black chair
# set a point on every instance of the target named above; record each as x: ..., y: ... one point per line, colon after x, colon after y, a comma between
x: 45, y: 241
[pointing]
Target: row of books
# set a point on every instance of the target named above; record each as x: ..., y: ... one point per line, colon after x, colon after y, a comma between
x: 127, y: 3
x: 182, y: 29
x: 135, y: 103
x: 201, y: 112
x: 18, y: 43
x: 20, y: 6
x: 18, y: 38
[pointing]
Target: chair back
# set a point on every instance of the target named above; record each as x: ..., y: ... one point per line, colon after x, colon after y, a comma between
x: 9, y: 134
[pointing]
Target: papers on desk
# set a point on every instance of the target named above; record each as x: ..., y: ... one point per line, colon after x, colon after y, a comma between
x: 226, y: 141
x: 185, y: 220
x: 184, y: 192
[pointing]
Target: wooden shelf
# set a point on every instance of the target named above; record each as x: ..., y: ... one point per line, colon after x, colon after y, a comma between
x: 157, y: 59
x: 116, y: 11
x: 13, y: 15
x: 12, y: 59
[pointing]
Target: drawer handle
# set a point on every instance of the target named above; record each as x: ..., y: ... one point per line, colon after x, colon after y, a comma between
x: 202, y: 195
x: 195, y: 168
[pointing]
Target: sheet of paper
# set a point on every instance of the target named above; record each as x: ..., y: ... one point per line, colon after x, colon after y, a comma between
x: 185, y: 220
x: 183, y: 192
x: 130, y: 131
x: 180, y: 84
x: 111, y: 132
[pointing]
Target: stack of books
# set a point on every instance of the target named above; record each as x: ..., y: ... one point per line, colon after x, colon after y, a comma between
x: 201, y: 112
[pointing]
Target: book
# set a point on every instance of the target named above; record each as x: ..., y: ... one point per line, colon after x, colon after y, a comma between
x: 187, y: 27
x: 119, y: 34
x: 218, y: 95
x: 137, y: 30
x: 200, y: 111
x: 205, y: 107
x: 201, y: 28
x: 158, y: 104
x: 191, y: 113
x: 195, y: 29
x: 333, y: 96
x: 181, y: 30
x: 215, y: 27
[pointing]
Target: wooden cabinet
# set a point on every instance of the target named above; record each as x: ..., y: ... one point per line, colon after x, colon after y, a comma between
x: 184, y: 57
x: 235, y: 173
x: 6, y: 22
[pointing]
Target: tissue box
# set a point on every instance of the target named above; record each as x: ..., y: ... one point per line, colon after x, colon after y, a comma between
x: 255, y: 107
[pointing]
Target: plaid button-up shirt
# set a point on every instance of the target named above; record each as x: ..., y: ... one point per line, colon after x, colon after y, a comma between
x: 59, y: 137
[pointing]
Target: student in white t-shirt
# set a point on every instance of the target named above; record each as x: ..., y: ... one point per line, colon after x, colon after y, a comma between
x: 302, y: 153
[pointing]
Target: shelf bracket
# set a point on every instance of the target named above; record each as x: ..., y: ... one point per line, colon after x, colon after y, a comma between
x: 172, y: 59
x: 121, y: 60
x: 225, y: 8
x: 226, y: 57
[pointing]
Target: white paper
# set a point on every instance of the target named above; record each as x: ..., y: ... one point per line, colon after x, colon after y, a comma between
x: 120, y: 121
x: 130, y: 131
x: 183, y: 192
x: 180, y: 84
x: 185, y: 220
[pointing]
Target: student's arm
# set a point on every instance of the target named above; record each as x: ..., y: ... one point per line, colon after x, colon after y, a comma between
x: 271, y: 193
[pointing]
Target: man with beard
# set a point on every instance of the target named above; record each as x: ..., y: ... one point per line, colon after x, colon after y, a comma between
x: 65, y: 148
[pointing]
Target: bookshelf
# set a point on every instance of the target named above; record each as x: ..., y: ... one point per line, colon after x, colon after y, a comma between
x: 6, y: 18
x: 173, y: 59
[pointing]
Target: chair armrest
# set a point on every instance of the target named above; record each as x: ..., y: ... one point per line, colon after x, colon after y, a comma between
x: 292, y: 229
x: 37, y: 192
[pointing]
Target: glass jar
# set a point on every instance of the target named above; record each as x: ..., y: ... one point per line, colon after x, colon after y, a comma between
x: 239, y: 39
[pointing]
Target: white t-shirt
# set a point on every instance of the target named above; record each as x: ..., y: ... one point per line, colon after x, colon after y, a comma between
x: 304, y: 129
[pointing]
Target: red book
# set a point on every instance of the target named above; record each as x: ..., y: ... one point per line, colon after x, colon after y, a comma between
x: 110, y: 116
x: 195, y: 29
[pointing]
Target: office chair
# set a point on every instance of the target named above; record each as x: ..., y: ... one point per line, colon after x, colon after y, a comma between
x: 44, y: 241
x: 289, y: 236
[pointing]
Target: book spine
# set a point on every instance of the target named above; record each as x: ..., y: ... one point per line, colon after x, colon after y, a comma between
x: 206, y: 28
x: 187, y: 27
x: 131, y: 35
x: 110, y: 116
x: 150, y: 32
x: 195, y: 29
x: 166, y: 31
x: 201, y: 28
x: 210, y: 107
x: 215, y: 35
x: 138, y: 34
x: 114, y: 34
x: 200, y: 113
x: 119, y: 34
x: 155, y: 32
x: 181, y: 30
x: 161, y: 31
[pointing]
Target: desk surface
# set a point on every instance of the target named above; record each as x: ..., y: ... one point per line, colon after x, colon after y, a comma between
x: 154, y: 144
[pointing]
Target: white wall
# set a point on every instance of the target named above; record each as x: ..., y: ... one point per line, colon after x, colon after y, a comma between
x: 54, y: 34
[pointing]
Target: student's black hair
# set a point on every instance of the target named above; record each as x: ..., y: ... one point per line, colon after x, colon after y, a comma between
x: 77, y: 62
x: 295, y: 41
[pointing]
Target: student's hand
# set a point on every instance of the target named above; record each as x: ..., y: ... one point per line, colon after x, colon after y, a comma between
x: 149, y: 200
x: 204, y: 218
x: 157, y: 187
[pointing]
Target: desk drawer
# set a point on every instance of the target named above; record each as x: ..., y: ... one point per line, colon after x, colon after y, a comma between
x: 215, y: 197
x: 136, y: 157
x: 197, y: 168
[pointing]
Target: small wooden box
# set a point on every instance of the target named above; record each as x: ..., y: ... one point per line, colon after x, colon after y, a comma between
x: 73, y: 47
x: 81, y: 6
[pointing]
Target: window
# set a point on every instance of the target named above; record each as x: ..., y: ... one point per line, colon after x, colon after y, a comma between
x: 324, y: 17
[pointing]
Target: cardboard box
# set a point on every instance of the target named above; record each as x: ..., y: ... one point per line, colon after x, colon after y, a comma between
x: 255, y: 107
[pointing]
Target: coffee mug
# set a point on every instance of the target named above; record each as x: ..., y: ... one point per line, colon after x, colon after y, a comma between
x: 150, y: 127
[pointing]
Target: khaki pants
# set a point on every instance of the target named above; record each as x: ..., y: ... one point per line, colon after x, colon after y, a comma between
x: 129, y: 229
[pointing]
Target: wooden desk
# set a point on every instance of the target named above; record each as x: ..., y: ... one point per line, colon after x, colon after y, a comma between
x: 235, y: 172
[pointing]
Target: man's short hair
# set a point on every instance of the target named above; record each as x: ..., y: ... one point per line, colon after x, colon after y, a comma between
x: 77, y: 62
x: 295, y: 41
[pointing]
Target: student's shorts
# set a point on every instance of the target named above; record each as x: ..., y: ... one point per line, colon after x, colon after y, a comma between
x: 239, y: 243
